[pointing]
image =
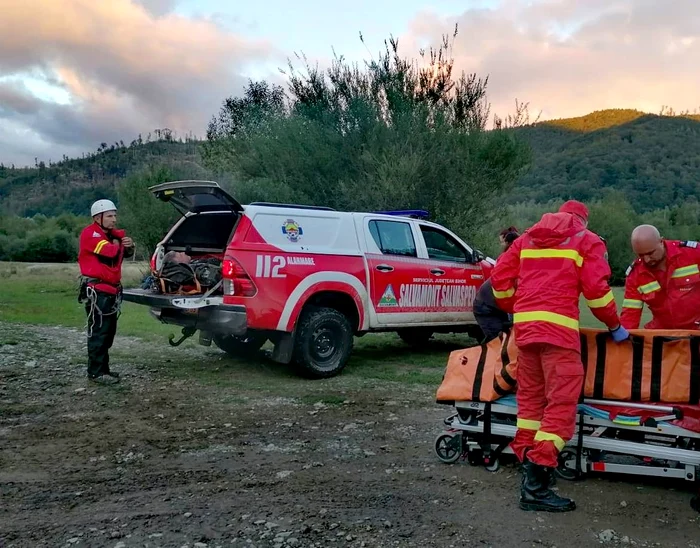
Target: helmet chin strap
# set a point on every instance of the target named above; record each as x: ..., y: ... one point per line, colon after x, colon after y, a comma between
x: 100, y: 222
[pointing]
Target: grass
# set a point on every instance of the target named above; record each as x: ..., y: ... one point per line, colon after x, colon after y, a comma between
x: 47, y: 294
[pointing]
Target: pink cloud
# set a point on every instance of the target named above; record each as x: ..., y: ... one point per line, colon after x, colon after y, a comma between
x: 569, y: 57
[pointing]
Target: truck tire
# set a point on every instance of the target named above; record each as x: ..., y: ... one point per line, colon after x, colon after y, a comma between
x: 245, y: 345
x: 416, y: 337
x: 323, y: 342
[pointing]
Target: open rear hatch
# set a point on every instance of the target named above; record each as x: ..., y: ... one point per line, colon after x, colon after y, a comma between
x: 209, y: 217
x: 196, y: 196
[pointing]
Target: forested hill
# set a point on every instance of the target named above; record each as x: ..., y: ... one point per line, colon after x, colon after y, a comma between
x: 653, y: 160
x: 70, y: 186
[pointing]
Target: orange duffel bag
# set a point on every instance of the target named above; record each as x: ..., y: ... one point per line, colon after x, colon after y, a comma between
x: 480, y: 373
x: 656, y: 366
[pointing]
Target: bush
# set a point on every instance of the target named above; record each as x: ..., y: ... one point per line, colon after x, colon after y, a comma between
x: 49, y: 247
x: 11, y: 247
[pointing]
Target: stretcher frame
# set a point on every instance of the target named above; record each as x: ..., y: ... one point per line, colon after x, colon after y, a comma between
x: 480, y: 432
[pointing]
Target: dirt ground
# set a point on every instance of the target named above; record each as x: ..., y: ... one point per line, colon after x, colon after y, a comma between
x: 250, y: 456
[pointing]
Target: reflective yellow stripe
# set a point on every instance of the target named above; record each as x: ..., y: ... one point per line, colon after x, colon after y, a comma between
x: 551, y: 317
x: 686, y: 271
x: 100, y: 245
x: 559, y: 443
x: 632, y: 303
x: 552, y: 254
x: 603, y: 301
x: 503, y: 294
x: 527, y: 424
x: 649, y: 288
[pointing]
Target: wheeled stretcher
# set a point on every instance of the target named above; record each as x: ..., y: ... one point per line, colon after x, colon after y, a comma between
x: 639, y: 413
x: 642, y: 439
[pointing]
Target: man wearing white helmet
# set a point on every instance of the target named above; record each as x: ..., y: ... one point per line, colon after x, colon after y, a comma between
x: 103, y: 247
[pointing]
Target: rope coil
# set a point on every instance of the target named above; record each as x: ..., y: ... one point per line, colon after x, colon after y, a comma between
x: 94, y: 311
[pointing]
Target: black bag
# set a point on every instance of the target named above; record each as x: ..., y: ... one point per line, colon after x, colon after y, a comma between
x: 175, y: 276
x: 181, y: 277
x: 207, y: 271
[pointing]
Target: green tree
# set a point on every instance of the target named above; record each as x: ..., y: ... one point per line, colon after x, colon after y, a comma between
x: 613, y: 218
x: 394, y: 133
x: 144, y: 217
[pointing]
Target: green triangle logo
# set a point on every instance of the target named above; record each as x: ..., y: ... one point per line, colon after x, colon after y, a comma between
x: 388, y: 297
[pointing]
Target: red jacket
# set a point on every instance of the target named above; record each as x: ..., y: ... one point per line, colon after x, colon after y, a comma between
x: 100, y: 259
x: 543, y: 273
x: 672, y: 295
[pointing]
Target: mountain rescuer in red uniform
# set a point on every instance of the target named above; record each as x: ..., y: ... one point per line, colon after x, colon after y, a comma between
x: 102, y: 250
x: 539, y: 279
x: 665, y: 277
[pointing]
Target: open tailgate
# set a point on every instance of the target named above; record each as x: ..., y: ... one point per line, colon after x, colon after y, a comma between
x: 196, y: 196
x: 156, y: 300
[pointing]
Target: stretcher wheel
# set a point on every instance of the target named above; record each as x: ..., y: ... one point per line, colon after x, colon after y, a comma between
x: 448, y: 447
x: 565, y: 472
x: 494, y: 466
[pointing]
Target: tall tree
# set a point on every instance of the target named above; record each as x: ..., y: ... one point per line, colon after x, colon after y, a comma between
x: 391, y: 133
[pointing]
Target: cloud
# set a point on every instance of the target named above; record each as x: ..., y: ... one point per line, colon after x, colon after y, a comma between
x: 569, y: 57
x: 128, y: 67
x: 76, y: 73
x: 158, y: 7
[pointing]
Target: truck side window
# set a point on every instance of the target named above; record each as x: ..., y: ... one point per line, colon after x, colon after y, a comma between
x: 442, y: 246
x: 393, y: 238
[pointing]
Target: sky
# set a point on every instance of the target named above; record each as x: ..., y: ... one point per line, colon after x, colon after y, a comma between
x: 75, y: 73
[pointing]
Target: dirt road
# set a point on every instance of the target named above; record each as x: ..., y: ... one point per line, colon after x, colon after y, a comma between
x: 243, y: 455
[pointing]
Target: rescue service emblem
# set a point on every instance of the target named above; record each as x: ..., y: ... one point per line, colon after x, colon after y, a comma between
x: 388, y: 297
x: 292, y: 230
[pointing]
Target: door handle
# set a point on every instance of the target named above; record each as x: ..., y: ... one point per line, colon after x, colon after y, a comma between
x: 437, y: 271
x: 384, y: 268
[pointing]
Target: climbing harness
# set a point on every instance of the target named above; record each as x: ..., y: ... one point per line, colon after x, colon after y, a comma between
x: 94, y: 311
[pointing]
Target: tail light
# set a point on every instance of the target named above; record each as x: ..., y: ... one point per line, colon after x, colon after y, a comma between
x: 153, y: 262
x: 236, y: 279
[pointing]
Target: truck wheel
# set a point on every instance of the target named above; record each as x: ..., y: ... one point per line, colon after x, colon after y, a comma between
x: 244, y: 345
x: 416, y: 337
x: 323, y: 342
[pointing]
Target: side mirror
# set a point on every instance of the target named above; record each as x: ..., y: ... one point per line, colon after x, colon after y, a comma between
x: 478, y: 256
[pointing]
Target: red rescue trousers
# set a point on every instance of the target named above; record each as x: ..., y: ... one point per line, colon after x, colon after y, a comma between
x: 550, y: 379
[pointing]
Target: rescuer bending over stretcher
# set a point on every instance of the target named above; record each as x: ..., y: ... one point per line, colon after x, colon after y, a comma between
x: 666, y: 277
x: 539, y: 279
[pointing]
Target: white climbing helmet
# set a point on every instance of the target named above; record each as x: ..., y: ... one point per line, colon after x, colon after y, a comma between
x: 102, y: 206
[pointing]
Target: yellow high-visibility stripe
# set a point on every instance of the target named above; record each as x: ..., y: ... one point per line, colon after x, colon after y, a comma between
x: 649, y: 288
x: 527, y: 424
x: 632, y: 303
x: 558, y: 441
x: 542, y: 316
x: 503, y: 294
x: 685, y: 271
x: 100, y: 245
x: 603, y: 301
x: 552, y: 253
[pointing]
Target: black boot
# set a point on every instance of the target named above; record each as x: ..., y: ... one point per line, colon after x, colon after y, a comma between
x: 535, y: 492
